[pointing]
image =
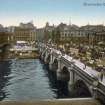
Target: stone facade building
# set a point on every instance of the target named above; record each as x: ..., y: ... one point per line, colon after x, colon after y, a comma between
x: 25, y: 32
x: 89, y: 34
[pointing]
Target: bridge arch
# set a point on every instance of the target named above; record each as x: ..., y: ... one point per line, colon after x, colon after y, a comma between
x: 55, y: 65
x: 82, y: 89
x: 48, y: 58
x: 65, y: 74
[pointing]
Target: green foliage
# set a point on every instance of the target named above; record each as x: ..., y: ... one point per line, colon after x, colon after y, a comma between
x: 47, y: 35
x: 53, y: 36
x: 56, y: 36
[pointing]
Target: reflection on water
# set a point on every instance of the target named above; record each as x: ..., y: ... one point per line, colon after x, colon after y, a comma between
x: 4, y: 72
x: 28, y: 79
x: 59, y: 88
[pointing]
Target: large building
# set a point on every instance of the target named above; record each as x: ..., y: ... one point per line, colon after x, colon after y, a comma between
x: 94, y: 34
x: 86, y: 35
x: 89, y: 34
x: 68, y: 32
x: 25, y: 32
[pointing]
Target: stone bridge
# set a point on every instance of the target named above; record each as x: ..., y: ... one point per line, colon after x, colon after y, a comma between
x: 76, y: 74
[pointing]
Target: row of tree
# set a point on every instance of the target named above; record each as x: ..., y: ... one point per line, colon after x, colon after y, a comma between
x: 54, y: 35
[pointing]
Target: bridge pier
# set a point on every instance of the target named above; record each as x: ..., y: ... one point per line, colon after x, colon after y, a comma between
x: 71, y: 81
x: 51, y: 62
x: 45, y: 57
x: 42, y: 54
x: 95, y: 92
x: 58, y: 72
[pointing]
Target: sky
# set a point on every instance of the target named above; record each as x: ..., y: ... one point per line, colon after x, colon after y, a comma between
x: 79, y: 12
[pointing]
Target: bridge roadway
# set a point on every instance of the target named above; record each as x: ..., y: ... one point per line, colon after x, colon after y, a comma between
x: 74, y: 101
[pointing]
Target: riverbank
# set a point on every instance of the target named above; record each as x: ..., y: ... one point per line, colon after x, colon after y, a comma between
x: 12, y: 55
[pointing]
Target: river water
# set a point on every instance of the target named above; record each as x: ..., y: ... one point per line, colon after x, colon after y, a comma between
x: 28, y: 79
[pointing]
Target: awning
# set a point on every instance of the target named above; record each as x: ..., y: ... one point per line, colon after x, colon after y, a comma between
x: 19, y: 42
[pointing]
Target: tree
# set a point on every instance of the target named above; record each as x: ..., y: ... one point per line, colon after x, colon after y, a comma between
x: 46, y: 36
x: 57, y: 37
x: 53, y: 36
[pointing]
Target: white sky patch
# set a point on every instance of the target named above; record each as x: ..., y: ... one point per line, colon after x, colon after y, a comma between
x: 39, y: 21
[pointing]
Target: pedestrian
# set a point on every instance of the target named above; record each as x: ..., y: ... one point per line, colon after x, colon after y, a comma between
x: 102, y: 74
x: 84, y: 66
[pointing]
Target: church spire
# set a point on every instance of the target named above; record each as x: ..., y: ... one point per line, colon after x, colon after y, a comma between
x: 70, y: 22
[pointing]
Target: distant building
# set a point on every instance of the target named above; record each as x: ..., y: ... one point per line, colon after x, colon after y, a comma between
x: 86, y: 35
x: 27, y: 25
x: 100, y: 36
x: 89, y: 34
x: 94, y: 33
x: 68, y: 32
x: 2, y: 29
x: 40, y: 34
x: 45, y: 32
x: 48, y: 27
x: 25, y: 32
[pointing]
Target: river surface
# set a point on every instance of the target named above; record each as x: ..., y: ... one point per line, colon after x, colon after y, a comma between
x: 28, y: 79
